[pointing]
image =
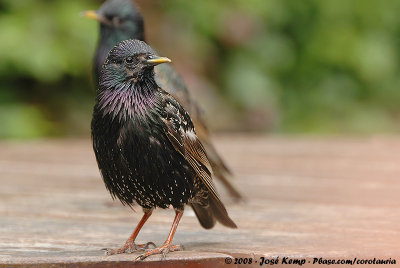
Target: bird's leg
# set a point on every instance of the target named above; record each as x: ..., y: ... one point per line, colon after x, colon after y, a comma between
x: 167, y: 247
x: 130, y: 245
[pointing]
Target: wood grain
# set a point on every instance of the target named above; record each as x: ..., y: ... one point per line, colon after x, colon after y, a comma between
x: 306, y: 197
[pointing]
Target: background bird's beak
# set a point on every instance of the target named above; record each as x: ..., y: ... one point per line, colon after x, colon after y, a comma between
x: 157, y: 60
x: 92, y: 14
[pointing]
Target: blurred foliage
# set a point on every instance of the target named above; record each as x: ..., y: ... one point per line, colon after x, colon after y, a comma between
x: 278, y: 65
x: 45, y: 51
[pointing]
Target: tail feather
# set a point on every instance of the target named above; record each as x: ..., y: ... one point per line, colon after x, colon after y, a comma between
x: 204, y: 215
x: 219, y: 211
x: 214, y: 211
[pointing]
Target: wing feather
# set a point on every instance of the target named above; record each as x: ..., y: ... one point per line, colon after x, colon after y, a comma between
x: 180, y: 132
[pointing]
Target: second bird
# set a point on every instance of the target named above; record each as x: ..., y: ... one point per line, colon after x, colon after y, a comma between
x: 120, y: 20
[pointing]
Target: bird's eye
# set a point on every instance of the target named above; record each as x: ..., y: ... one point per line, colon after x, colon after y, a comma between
x: 130, y: 60
x: 116, y: 21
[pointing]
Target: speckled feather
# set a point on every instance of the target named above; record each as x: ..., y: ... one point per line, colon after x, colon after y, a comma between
x: 132, y: 26
x: 132, y: 150
x: 145, y: 142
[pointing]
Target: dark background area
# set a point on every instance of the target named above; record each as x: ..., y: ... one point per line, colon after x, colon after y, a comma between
x: 258, y: 65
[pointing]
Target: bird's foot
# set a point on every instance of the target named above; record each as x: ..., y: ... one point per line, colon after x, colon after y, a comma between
x: 161, y: 250
x: 129, y: 247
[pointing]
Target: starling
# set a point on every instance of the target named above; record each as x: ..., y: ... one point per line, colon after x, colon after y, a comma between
x: 146, y: 145
x: 120, y: 20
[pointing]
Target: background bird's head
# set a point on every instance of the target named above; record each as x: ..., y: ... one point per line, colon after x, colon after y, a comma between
x: 131, y: 60
x: 119, y: 20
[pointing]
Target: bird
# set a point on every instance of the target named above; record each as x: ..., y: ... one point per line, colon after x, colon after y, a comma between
x: 121, y: 20
x: 146, y: 146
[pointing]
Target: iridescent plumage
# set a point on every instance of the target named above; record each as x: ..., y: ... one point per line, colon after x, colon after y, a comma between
x: 146, y: 145
x: 121, y: 20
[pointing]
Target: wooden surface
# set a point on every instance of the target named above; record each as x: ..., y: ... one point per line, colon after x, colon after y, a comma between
x: 306, y: 197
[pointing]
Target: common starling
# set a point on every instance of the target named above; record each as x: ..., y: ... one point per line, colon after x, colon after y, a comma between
x: 121, y: 20
x: 146, y: 146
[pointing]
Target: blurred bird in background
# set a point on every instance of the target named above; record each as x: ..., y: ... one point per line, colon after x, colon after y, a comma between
x: 146, y: 146
x: 121, y: 20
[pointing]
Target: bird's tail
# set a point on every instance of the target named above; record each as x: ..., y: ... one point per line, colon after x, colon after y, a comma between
x: 204, y: 215
x: 214, y: 211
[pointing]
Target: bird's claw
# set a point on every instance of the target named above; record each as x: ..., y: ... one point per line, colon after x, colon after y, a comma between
x: 129, y: 248
x: 164, y: 250
x: 150, y: 243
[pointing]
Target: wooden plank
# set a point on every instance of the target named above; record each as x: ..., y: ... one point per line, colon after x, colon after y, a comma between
x: 307, y: 197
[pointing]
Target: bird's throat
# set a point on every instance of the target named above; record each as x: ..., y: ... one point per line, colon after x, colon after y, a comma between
x: 133, y: 99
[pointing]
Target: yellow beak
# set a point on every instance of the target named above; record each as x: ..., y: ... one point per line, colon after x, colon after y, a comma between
x: 91, y: 14
x: 158, y: 60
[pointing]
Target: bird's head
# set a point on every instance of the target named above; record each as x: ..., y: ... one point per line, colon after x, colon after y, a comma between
x: 119, y: 20
x: 131, y: 60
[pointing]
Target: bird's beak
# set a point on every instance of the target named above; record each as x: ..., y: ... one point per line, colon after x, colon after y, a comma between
x: 92, y: 14
x: 157, y: 60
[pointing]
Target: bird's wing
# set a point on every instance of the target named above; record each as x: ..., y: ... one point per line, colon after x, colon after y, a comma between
x: 181, y: 134
x: 168, y: 79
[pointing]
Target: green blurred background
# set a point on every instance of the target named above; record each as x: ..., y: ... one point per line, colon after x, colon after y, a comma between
x: 283, y: 66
